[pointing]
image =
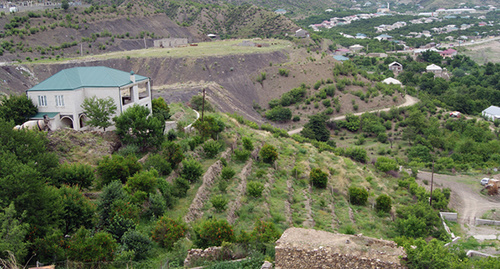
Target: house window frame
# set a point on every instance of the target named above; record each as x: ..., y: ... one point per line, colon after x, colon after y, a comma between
x: 59, y: 100
x: 42, y: 100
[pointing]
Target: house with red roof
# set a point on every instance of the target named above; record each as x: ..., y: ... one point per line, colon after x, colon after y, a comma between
x: 449, y: 53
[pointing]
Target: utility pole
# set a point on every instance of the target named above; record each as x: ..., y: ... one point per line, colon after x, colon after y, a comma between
x: 203, y: 105
x: 432, y: 182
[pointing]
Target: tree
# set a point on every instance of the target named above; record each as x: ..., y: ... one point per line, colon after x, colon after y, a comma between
x: 17, y: 108
x: 191, y: 170
x: 99, y: 111
x: 268, y: 153
x: 117, y: 167
x: 385, y: 164
x: 316, y: 128
x: 384, y: 203
x: 12, y: 233
x: 78, y: 174
x: 279, y: 114
x: 167, y: 231
x: 209, y: 127
x: 135, y: 126
x: 64, y: 4
x: 160, y: 109
x: 319, y: 179
x: 213, y: 232
x: 77, y: 210
x: 358, y: 196
x: 137, y: 242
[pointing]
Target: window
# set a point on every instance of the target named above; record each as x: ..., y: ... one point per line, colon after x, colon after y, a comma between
x: 42, y: 100
x: 59, y: 100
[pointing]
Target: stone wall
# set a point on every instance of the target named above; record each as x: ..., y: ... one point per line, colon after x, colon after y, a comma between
x: 306, y: 248
x: 449, y: 216
x: 487, y: 222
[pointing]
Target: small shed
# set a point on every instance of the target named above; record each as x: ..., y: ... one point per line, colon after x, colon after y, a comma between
x: 340, y: 58
x: 491, y: 113
x: 396, y: 67
x: 356, y: 47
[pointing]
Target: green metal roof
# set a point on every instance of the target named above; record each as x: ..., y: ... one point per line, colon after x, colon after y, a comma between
x: 39, y: 115
x: 86, y: 77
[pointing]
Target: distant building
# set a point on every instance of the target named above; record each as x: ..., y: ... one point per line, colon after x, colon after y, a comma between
x: 301, y: 33
x: 492, y: 113
x: 391, y: 81
x: 356, y: 47
x: 383, y: 37
x: 340, y: 58
x: 449, y: 53
x: 396, y: 67
x: 280, y: 11
x: 434, y: 69
x: 341, y: 51
x: 170, y: 42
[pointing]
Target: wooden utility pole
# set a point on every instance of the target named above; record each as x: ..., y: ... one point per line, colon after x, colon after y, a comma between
x: 432, y: 183
x: 203, y: 105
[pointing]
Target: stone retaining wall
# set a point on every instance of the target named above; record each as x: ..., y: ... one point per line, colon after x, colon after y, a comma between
x: 300, y: 248
x: 297, y: 258
x: 449, y: 216
x: 487, y: 222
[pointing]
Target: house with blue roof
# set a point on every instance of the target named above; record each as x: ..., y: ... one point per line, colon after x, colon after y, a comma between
x: 61, y: 95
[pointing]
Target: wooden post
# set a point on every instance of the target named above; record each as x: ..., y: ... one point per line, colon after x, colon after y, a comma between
x: 432, y: 183
x: 203, y: 105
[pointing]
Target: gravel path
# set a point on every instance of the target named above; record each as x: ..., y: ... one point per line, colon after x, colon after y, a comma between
x: 467, y: 200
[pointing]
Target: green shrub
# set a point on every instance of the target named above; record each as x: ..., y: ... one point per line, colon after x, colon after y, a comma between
x: 283, y: 72
x: 327, y: 103
x: 159, y: 163
x: 296, y: 118
x: 384, y: 203
x: 167, y: 231
x: 213, y: 232
x: 318, y: 178
x: 211, y: 148
x: 137, y: 242
x: 382, y: 137
x: 181, y: 186
x: 255, y: 189
x: 241, y: 155
x: 279, y: 114
x: 191, y: 170
x: 385, y: 164
x: 219, y: 202
x: 358, y: 196
x: 81, y: 175
x: 247, y: 143
x: 117, y: 167
x: 172, y: 152
x: 269, y: 154
x: 227, y: 173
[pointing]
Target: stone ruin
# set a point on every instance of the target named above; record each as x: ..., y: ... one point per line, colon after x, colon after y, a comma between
x: 306, y: 248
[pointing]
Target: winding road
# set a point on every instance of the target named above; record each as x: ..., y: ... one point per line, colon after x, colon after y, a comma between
x: 410, y: 100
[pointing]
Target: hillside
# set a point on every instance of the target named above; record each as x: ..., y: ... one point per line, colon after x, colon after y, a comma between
x: 55, y: 33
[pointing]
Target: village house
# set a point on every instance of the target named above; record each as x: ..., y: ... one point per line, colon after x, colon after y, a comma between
x: 437, y: 70
x: 396, y: 67
x: 449, y: 53
x: 60, y: 96
x: 491, y: 113
x: 301, y: 33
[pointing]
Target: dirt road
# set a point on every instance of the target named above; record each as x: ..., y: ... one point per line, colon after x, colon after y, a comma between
x: 410, y: 100
x: 466, y: 199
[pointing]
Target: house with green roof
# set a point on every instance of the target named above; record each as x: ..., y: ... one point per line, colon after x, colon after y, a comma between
x: 61, y: 95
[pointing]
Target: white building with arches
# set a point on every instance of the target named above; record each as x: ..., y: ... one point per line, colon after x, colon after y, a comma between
x: 60, y: 96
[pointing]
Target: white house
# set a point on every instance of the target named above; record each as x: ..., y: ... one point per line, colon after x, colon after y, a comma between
x: 391, y: 81
x: 492, y: 113
x: 61, y: 95
x: 434, y: 69
x: 301, y: 33
x: 396, y: 67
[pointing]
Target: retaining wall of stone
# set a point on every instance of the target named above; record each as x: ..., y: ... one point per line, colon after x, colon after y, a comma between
x: 487, y: 222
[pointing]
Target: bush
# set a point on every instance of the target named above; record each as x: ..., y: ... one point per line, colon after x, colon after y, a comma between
x: 385, y: 164
x: 269, y: 154
x: 283, y: 72
x: 255, y: 189
x: 181, y: 186
x: 137, y: 242
x: 247, y: 143
x: 117, y: 167
x: 382, y: 137
x: 159, y: 163
x: 196, y: 103
x: 213, y: 232
x: 134, y: 126
x: 279, y: 114
x: 172, y: 152
x: 384, y: 203
x: 357, y: 154
x: 167, y: 231
x: 319, y: 179
x: 211, y: 148
x: 191, y: 170
x: 358, y: 196
x: 296, y: 118
x: 219, y: 202
x: 227, y: 173
x: 241, y: 155
x: 81, y: 175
